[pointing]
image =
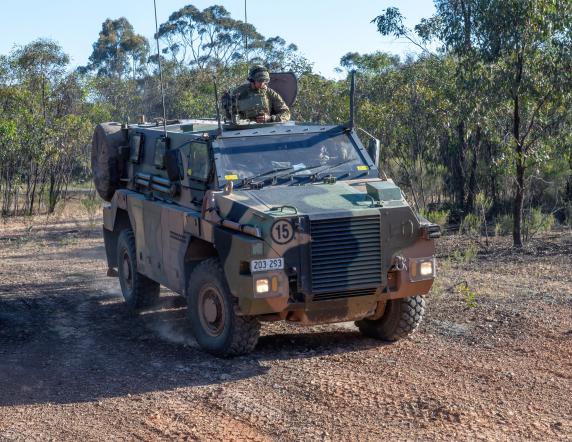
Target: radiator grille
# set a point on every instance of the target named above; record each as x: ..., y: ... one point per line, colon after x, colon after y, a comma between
x: 346, y: 254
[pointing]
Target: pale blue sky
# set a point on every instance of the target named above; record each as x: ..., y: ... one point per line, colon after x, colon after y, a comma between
x: 323, y: 30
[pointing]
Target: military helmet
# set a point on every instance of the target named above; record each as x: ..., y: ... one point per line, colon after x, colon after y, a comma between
x: 259, y: 74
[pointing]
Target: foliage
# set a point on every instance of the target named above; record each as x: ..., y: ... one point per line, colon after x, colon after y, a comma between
x: 465, y: 256
x: 513, y: 62
x: 45, y: 127
x: 47, y: 112
x: 440, y: 217
x: 471, y: 225
x: 469, y: 295
x: 375, y: 63
x: 478, y: 126
x: 118, y: 51
x: 212, y: 39
x: 503, y: 225
x: 535, y: 221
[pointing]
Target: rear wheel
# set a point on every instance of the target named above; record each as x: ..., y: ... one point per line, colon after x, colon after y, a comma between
x: 216, y: 326
x: 400, y: 319
x: 138, y: 290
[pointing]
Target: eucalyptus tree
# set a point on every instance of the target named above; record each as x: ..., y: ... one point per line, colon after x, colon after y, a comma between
x: 40, y: 65
x: 118, y: 52
x: 522, y: 50
x: 278, y: 55
x: 321, y: 100
x: 212, y: 39
x: 207, y: 38
x: 42, y: 105
x: 526, y: 46
x: 117, y: 68
x: 376, y: 63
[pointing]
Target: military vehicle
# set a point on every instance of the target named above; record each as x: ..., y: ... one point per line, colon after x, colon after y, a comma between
x: 261, y: 222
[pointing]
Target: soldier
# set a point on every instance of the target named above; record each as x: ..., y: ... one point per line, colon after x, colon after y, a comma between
x: 257, y: 102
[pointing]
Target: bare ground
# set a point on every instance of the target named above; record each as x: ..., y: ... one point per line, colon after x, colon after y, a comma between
x: 491, y: 361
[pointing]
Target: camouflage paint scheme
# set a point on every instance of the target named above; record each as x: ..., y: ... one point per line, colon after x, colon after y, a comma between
x: 349, y: 245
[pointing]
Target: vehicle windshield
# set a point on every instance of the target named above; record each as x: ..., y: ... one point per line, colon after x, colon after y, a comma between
x: 288, y: 156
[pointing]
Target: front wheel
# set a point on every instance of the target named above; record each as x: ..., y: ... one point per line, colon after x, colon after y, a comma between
x: 400, y: 319
x: 216, y: 326
x: 138, y: 290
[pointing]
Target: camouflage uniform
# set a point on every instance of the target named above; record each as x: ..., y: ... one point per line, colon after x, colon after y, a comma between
x: 253, y: 102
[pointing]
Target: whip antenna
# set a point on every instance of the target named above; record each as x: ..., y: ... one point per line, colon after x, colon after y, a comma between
x: 160, y: 70
x: 352, y: 98
x: 245, y: 35
x: 217, y: 107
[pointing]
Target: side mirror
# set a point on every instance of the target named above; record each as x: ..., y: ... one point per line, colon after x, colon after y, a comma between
x: 373, y: 149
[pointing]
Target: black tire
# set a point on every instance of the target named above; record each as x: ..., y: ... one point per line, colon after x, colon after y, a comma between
x: 216, y: 326
x: 105, y: 163
x: 400, y: 319
x: 138, y: 290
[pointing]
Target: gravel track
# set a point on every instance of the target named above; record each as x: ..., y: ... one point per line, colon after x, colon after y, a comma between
x: 76, y: 365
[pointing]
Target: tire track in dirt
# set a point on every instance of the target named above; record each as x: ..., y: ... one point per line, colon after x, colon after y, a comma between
x: 75, y: 365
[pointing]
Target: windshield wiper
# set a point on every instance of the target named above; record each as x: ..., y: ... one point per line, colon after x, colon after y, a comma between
x: 269, y: 175
x: 284, y: 172
x: 288, y: 172
x: 324, y: 167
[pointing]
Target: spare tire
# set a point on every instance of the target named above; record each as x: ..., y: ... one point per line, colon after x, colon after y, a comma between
x: 105, y: 162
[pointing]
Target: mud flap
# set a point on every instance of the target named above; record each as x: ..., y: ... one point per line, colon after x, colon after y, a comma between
x: 110, y: 240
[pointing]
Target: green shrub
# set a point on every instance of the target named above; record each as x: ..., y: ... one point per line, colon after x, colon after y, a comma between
x: 465, y: 256
x: 503, y: 225
x: 535, y: 221
x: 471, y: 225
x: 469, y: 295
x: 440, y: 217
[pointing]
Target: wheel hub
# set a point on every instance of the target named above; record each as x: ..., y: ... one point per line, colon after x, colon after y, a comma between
x: 211, y: 310
x: 127, y: 270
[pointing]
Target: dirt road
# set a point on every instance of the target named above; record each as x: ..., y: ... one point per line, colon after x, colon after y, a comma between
x: 492, y: 359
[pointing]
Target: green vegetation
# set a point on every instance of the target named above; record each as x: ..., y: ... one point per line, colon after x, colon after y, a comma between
x: 503, y: 225
x: 440, y: 217
x: 471, y: 225
x: 469, y: 295
x: 535, y: 221
x: 477, y: 130
x: 465, y: 256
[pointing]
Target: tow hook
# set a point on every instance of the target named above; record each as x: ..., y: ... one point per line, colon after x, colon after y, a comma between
x: 400, y: 263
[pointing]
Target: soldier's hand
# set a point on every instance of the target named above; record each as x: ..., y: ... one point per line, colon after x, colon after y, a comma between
x: 263, y: 118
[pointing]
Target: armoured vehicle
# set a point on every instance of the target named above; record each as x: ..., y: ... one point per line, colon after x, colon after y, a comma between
x: 261, y: 222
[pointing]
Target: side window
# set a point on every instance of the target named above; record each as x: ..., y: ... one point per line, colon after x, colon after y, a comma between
x: 199, y: 163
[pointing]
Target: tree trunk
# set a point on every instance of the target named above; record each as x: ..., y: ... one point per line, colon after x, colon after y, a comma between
x: 460, y: 167
x: 52, y: 194
x: 472, y: 185
x: 518, y: 204
x: 520, y: 160
x: 494, y: 185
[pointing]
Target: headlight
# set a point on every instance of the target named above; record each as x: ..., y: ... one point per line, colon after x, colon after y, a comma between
x: 426, y: 268
x: 420, y: 269
x: 262, y: 285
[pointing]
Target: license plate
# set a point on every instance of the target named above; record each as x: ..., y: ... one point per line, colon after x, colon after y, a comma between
x: 261, y: 265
